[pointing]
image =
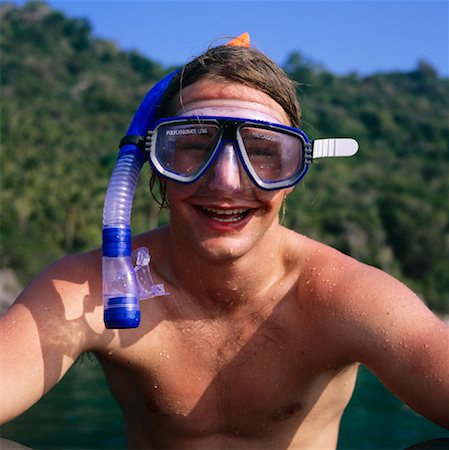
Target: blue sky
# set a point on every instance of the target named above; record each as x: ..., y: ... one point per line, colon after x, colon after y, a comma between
x: 343, y: 35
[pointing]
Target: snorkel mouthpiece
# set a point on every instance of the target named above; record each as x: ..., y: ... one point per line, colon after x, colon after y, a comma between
x: 122, y: 289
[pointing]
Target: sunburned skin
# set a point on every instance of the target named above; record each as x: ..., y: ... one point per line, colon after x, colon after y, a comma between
x: 259, y: 342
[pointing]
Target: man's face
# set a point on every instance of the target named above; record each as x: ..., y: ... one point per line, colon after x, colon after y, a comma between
x: 223, y: 214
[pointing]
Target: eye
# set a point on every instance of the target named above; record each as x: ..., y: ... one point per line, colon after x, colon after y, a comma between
x: 193, y: 144
x: 261, y: 144
x: 262, y: 151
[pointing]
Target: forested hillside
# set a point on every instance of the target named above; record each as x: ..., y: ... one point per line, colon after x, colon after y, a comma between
x: 67, y: 98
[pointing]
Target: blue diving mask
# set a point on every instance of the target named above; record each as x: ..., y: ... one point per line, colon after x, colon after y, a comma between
x: 274, y: 156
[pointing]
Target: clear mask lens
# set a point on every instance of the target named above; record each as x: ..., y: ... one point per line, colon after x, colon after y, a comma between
x: 273, y: 155
x: 184, y: 149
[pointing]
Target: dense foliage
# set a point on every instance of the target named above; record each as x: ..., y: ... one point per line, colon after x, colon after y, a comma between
x: 67, y: 98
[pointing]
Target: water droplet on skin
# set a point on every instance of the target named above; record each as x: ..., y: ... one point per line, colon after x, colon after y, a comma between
x: 155, y: 386
x: 164, y: 355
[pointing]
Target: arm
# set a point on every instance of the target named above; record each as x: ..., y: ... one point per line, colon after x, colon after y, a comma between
x: 389, y: 329
x: 51, y: 323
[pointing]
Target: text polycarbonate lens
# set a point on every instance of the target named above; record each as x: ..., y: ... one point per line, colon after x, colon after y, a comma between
x: 274, y: 155
x: 184, y: 148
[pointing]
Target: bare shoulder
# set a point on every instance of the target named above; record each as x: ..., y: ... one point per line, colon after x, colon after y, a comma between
x: 65, y: 296
x: 68, y: 294
x: 345, y: 294
x: 57, y: 317
x: 368, y: 316
x: 69, y: 278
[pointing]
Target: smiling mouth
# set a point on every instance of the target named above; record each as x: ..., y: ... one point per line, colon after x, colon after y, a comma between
x: 226, y: 215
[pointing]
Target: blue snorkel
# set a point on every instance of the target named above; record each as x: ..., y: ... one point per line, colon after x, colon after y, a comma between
x: 123, y: 284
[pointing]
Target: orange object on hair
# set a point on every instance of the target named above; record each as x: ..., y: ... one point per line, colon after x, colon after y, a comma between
x: 240, y: 41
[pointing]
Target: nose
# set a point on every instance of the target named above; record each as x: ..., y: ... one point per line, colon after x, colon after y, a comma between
x: 225, y: 173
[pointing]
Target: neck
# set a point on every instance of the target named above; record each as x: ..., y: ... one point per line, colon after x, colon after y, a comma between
x: 231, y: 281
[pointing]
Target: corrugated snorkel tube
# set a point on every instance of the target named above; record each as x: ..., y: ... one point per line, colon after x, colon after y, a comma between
x: 121, y: 287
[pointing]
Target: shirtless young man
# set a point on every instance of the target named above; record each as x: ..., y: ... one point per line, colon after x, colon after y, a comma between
x: 258, y: 344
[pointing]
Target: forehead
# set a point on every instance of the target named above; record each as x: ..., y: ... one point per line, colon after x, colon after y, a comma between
x: 207, y: 97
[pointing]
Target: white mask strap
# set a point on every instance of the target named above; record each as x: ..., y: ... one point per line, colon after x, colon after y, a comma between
x: 334, y: 147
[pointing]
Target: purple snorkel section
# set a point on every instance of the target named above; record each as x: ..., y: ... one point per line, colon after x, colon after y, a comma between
x: 120, y: 291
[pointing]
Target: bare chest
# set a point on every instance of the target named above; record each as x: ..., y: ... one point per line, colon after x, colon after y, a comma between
x: 201, y: 377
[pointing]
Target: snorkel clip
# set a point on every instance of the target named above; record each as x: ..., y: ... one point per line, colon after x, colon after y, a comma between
x: 145, y: 284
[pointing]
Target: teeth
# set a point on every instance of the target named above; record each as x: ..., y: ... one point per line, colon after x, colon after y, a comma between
x: 231, y: 219
x: 226, y: 212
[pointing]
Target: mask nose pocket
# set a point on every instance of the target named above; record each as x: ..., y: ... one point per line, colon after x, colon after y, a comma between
x: 226, y: 169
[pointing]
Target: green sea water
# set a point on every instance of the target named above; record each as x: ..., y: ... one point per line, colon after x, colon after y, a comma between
x: 79, y: 413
